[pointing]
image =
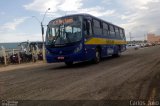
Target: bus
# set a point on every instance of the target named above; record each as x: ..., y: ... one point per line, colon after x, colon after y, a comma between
x: 29, y: 47
x: 82, y: 37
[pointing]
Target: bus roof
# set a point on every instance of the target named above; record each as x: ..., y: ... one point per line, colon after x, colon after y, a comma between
x: 84, y: 14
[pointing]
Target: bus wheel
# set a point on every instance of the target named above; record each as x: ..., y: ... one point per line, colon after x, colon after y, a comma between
x: 118, y: 54
x: 69, y: 63
x: 97, y: 58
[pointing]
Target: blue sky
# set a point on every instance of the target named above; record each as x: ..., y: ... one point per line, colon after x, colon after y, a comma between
x: 17, y: 24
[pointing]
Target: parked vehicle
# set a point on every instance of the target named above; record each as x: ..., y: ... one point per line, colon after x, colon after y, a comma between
x: 133, y: 46
x: 142, y: 45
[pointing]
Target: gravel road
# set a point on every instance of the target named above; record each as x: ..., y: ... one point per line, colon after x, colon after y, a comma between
x: 134, y: 75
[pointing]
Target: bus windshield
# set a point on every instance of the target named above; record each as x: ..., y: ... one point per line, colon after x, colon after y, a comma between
x: 64, y: 31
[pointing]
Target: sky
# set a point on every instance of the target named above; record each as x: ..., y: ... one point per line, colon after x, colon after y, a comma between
x: 18, y: 22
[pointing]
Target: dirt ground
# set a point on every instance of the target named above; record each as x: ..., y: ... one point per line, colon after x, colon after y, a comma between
x: 134, y: 75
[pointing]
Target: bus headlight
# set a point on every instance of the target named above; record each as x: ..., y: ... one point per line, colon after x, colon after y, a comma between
x: 47, y: 52
x: 79, y: 48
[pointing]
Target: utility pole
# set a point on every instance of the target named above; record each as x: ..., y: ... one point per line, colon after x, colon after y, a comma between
x: 144, y: 37
x: 4, y: 55
x: 42, y: 31
x: 130, y: 36
x: 43, y: 46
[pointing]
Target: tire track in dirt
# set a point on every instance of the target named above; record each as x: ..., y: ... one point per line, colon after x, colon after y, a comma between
x: 127, y: 77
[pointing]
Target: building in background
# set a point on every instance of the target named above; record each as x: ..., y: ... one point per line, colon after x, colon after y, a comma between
x: 152, y: 38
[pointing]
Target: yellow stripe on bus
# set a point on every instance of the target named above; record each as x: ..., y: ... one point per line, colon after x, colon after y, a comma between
x: 103, y: 41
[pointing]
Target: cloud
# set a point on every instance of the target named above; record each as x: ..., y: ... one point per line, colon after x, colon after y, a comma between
x: 71, y: 5
x: 136, y: 16
x: 43, y: 5
x: 12, y: 25
x: 61, y: 7
x: 141, y: 17
x: 55, y: 5
x: 137, y: 4
x: 98, y: 11
x: 106, y: 2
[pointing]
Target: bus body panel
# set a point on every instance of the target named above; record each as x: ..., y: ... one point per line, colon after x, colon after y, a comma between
x: 54, y: 54
x: 87, y: 52
x: 107, y: 47
x: 51, y: 58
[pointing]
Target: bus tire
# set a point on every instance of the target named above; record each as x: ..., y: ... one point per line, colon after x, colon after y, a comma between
x: 69, y: 63
x: 118, y: 54
x: 97, y: 58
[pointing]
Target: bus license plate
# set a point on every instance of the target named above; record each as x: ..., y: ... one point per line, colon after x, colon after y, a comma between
x: 60, y: 58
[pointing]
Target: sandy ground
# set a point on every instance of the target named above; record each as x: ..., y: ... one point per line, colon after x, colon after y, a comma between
x: 20, y: 66
x: 134, y: 75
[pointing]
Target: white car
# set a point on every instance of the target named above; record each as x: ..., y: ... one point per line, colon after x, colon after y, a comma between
x: 132, y: 46
x: 142, y: 45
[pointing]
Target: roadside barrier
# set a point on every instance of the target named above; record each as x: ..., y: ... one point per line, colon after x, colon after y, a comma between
x: 16, y: 56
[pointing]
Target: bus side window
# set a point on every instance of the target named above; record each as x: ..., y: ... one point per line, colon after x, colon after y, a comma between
x: 117, y: 32
x: 105, y: 29
x: 97, y: 27
x: 87, y: 28
x: 112, y: 30
x: 122, y: 35
x: 124, y: 38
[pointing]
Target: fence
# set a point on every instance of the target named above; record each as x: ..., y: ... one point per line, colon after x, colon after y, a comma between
x: 16, y: 56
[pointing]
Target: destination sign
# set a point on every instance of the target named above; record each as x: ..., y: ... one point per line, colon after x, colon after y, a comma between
x: 63, y: 21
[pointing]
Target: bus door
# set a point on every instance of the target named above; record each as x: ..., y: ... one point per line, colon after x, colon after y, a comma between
x: 87, y: 25
x: 87, y: 28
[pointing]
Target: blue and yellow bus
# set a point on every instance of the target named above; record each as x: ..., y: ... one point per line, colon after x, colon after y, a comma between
x: 82, y: 37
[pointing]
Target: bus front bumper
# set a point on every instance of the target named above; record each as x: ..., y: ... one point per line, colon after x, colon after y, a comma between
x: 65, y: 58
